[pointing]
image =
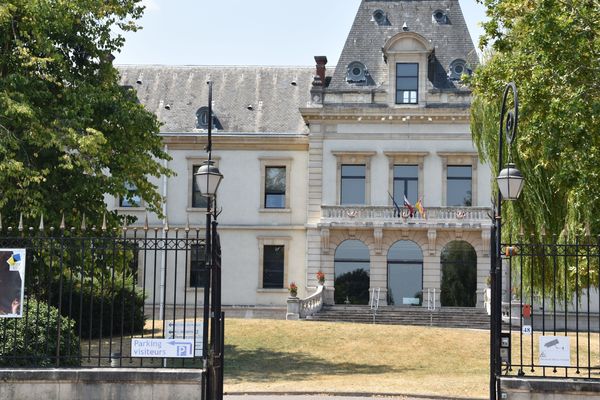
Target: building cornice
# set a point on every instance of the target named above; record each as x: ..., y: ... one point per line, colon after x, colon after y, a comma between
x: 197, y: 141
x: 387, y: 115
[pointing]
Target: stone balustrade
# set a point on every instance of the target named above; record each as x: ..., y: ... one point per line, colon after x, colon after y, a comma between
x: 312, y: 304
x: 434, y: 216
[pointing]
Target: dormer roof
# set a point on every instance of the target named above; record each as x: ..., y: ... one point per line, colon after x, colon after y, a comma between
x: 439, y: 22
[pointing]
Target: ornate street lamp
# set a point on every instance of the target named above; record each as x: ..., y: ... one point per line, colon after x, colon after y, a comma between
x: 208, y: 177
x: 510, y: 184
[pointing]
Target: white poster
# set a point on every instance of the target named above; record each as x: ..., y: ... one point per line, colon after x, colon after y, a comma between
x: 555, y: 351
x: 12, y: 282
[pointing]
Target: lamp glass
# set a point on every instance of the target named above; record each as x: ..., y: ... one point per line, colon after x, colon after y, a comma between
x: 208, y: 178
x: 510, y: 182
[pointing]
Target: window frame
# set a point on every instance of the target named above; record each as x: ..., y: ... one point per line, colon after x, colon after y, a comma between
x: 406, y: 158
x: 460, y: 159
x: 263, y: 241
x: 345, y: 178
x: 416, y: 77
x: 461, y: 179
x: 285, y: 162
x: 405, y: 180
x: 201, y: 261
x: 274, y: 193
x: 119, y: 200
x: 353, y: 158
x: 191, y: 163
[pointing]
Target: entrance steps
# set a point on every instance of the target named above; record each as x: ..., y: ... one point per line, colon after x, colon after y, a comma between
x: 446, y: 317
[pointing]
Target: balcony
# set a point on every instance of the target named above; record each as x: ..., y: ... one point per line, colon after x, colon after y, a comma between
x: 465, y: 217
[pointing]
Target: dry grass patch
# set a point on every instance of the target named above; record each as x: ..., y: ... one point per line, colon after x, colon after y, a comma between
x: 291, y: 356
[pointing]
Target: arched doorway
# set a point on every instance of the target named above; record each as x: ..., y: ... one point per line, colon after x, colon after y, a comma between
x: 405, y: 274
x: 459, y: 275
x: 351, y: 263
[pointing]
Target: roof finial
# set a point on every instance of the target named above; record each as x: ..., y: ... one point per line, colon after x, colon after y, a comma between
x: 21, y: 223
x: 41, y: 228
x: 83, y: 226
x: 62, y: 222
x: 146, y: 222
x: 103, y: 222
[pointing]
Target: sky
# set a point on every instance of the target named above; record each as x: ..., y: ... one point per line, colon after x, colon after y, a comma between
x: 244, y: 32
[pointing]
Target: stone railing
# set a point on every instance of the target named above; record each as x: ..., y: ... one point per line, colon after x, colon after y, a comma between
x: 383, y: 214
x: 312, y: 304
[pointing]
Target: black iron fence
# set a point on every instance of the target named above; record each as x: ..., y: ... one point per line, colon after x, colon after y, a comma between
x: 130, y: 297
x: 550, y: 303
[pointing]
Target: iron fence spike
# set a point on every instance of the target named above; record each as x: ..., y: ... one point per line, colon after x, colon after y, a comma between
x: 103, y: 222
x: 146, y: 222
x: 20, y: 222
x: 187, y: 223
x: 125, y: 223
x: 0, y: 221
x: 41, y: 228
x: 62, y: 223
x: 83, y: 226
x: 166, y: 227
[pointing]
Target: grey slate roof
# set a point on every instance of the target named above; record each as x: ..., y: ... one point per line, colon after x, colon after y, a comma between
x: 366, y: 38
x: 275, y: 101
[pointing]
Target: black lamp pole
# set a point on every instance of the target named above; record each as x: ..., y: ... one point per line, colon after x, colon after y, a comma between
x: 505, y: 192
x: 211, y: 176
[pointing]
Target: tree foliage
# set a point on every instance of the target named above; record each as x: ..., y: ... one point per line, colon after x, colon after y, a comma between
x: 69, y: 133
x: 551, y: 50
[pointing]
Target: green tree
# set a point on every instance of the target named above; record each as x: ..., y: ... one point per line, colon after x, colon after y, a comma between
x: 69, y: 133
x: 551, y: 50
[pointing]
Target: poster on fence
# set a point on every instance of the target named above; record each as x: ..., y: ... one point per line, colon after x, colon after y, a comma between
x: 555, y: 351
x: 12, y: 282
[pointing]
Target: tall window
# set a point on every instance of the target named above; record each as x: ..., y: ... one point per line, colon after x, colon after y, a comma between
x: 199, y: 275
x: 352, y: 280
x: 459, y: 275
x: 407, y: 83
x: 406, y: 183
x: 198, y: 201
x: 273, y: 266
x: 131, y: 199
x: 275, y: 187
x: 405, y: 274
x: 352, y: 184
x: 459, y: 185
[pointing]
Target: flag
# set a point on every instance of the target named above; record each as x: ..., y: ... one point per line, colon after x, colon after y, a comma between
x: 409, y: 206
x: 420, y: 208
x: 397, y: 212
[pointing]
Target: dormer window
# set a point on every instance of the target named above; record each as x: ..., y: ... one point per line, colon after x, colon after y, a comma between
x: 457, y: 68
x: 379, y: 17
x: 407, y: 83
x: 440, y: 17
x: 357, y: 73
x: 202, y: 119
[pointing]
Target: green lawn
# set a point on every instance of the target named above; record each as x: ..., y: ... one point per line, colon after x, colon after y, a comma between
x: 299, y: 356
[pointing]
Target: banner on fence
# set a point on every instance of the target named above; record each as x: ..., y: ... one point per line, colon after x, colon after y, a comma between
x: 12, y: 282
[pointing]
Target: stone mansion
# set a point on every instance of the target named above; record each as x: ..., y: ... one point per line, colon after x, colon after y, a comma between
x: 365, y: 170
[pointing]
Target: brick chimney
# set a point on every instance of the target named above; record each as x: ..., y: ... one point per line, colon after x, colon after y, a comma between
x: 321, y: 62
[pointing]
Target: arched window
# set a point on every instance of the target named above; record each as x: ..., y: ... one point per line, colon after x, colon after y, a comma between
x: 351, y: 262
x: 405, y: 274
x: 459, y: 275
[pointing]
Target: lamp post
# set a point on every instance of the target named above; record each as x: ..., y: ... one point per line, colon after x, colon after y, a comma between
x: 208, y: 179
x: 510, y: 183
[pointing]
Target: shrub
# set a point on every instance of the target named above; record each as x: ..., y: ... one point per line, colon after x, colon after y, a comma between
x: 31, y: 340
x: 103, y: 306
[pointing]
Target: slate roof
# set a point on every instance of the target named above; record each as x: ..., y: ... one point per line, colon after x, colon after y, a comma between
x: 275, y: 101
x: 366, y: 38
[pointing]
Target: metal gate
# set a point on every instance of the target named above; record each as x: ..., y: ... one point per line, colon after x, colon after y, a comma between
x: 545, y: 320
x: 91, y: 297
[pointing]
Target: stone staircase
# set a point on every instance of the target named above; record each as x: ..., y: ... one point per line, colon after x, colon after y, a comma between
x: 446, y: 317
